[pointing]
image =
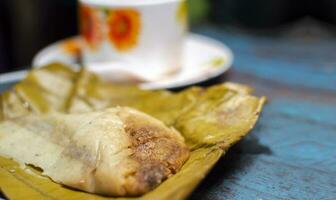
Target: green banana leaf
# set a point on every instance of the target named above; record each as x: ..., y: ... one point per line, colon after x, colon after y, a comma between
x: 210, y: 119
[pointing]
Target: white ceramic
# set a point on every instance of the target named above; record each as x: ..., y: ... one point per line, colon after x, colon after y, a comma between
x: 203, y: 58
x: 146, y: 34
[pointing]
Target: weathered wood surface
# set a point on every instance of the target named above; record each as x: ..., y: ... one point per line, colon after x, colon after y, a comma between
x: 291, y: 154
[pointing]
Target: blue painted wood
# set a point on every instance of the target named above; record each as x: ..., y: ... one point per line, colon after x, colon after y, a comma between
x: 303, y: 62
x: 5, y: 86
x: 291, y: 154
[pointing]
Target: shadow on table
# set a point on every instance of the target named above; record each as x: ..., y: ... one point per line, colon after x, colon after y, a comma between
x: 234, y: 162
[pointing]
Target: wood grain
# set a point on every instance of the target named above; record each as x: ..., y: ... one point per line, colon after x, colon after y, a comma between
x: 292, y: 152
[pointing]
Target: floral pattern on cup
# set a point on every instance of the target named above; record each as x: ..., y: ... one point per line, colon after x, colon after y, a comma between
x: 124, y: 27
x: 131, y: 32
x: 90, y: 26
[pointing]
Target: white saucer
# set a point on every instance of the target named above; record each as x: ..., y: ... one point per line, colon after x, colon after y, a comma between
x: 204, y: 58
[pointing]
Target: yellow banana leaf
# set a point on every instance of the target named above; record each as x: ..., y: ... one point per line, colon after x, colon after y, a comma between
x: 211, y: 120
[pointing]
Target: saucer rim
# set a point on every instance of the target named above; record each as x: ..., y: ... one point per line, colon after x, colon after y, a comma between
x: 154, y: 86
x: 116, y: 4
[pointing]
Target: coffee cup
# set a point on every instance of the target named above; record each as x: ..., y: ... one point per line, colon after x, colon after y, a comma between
x: 141, y: 36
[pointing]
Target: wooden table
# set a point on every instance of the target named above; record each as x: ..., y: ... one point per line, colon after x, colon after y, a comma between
x: 291, y: 154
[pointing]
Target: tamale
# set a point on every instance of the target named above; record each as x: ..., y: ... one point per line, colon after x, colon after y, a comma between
x: 210, y: 119
x: 115, y: 152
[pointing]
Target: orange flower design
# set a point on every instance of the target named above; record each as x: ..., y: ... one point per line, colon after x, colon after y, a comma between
x: 90, y: 26
x: 123, y: 28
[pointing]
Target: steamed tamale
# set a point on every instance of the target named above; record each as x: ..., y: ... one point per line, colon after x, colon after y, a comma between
x: 210, y: 119
x: 118, y: 151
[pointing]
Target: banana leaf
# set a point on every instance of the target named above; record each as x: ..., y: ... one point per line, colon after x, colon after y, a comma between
x: 210, y: 119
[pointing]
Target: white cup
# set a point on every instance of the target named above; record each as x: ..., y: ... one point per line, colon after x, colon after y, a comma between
x: 146, y: 36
